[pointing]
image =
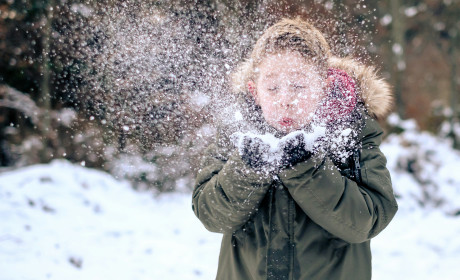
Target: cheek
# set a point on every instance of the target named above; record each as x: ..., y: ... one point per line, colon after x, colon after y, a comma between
x: 309, y: 104
x: 312, y: 99
x: 267, y: 103
x: 270, y: 110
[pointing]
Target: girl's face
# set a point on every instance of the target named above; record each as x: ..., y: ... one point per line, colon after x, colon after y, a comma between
x: 288, y: 89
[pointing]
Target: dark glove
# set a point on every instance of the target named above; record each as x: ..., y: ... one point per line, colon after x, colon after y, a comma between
x: 294, y: 151
x: 255, y: 153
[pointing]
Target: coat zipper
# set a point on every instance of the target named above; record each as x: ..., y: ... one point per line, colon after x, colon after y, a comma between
x: 291, y: 213
x: 267, y: 257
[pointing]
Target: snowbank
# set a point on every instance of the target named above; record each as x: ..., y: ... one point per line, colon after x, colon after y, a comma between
x: 422, y: 241
x: 424, y: 168
x: 63, y: 221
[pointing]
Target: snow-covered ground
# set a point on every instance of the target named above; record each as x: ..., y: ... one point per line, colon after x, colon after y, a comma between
x: 64, y: 221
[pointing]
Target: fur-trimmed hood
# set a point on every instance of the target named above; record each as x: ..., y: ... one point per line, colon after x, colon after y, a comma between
x: 373, y: 90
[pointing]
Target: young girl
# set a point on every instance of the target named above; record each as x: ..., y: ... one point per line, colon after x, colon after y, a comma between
x: 304, y: 202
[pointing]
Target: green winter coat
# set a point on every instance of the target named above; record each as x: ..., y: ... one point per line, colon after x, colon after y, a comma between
x: 308, y: 222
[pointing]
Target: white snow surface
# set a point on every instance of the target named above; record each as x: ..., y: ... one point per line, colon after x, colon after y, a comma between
x: 65, y: 221
x: 53, y: 215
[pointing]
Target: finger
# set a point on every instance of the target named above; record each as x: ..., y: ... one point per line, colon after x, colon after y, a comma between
x: 247, y: 143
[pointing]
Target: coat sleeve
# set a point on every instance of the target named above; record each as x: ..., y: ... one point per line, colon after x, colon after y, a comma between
x: 227, y: 192
x: 352, y: 212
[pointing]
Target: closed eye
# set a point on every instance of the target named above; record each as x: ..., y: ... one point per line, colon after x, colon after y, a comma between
x: 298, y: 86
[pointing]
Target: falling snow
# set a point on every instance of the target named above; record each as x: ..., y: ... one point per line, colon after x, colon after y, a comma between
x: 155, y: 77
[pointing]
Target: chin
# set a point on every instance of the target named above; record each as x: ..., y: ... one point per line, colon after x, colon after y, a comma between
x: 286, y: 129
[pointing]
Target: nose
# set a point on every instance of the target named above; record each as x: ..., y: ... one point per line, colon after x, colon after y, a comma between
x: 286, y: 101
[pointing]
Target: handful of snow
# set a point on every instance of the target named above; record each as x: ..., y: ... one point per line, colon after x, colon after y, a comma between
x: 276, y: 145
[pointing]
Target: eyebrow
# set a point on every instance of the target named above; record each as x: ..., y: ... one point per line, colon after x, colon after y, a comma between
x: 297, y: 73
x: 271, y: 75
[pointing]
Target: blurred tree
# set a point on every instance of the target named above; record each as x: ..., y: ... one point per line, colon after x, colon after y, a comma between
x: 452, y: 34
x: 145, y: 79
x: 44, y: 98
x: 398, y: 31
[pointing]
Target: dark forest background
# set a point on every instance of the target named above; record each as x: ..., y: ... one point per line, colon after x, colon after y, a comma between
x: 129, y: 86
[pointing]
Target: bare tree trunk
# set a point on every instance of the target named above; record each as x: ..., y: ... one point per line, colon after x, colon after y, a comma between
x: 397, y: 36
x: 44, y: 100
x: 454, y: 84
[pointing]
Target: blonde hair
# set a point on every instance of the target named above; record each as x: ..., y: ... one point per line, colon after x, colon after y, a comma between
x: 286, y: 35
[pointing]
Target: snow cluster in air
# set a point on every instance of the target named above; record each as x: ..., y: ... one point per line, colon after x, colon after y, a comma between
x: 275, y: 144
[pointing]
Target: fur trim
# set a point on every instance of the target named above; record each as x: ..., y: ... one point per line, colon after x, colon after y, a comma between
x: 373, y: 90
x: 241, y: 76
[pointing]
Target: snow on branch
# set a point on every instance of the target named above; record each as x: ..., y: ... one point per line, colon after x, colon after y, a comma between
x: 16, y: 100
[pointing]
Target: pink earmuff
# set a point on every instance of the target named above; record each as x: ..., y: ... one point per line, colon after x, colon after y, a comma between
x: 341, y: 98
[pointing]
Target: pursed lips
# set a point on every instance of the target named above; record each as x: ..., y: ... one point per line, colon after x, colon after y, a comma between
x: 286, y: 122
